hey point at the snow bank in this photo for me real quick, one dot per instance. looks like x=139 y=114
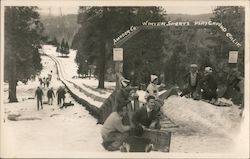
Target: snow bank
x=201 y=117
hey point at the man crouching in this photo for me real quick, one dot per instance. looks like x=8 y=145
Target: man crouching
x=113 y=132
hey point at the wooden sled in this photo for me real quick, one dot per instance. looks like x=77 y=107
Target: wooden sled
x=172 y=91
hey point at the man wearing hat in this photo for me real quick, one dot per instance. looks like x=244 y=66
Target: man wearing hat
x=193 y=80
x=122 y=95
x=209 y=86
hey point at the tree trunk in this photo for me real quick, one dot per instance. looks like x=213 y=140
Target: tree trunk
x=103 y=49
x=12 y=80
x=102 y=64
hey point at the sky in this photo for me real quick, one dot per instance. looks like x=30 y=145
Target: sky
x=193 y=10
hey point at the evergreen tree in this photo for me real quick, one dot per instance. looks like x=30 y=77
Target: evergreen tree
x=23 y=36
x=66 y=52
x=99 y=25
x=62 y=47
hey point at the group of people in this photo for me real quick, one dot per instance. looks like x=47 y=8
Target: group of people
x=45 y=82
x=50 y=96
x=205 y=86
x=123 y=129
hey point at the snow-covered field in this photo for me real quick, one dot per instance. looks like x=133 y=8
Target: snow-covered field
x=204 y=128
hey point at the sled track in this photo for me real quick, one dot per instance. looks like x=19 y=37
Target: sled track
x=93 y=110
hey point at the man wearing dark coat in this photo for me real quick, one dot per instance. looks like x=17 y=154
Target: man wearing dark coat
x=193 y=82
x=122 y=96
x=209 y=85
x=147 y=116
x=50 y=95
x=39 y=95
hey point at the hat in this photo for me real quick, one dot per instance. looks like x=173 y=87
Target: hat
x=193 y=66
x=208 y=69
x=124 y=82
x=153 y=77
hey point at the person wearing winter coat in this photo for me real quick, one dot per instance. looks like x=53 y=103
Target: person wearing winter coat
x=193 y=82
x=61 y=95
x=209 y=85
x=153 y=88
x=132 y=106
x=50 y=95
x=39 y=96
x=122 y=95
x=147 y=116
x=113 y=132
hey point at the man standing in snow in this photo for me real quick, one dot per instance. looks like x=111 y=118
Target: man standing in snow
x=193 y=79
x=50 y=95
x=113 y=132
x=39 y=95
x=61 y=95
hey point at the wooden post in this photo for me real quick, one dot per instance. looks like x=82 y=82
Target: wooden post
x=118 y=58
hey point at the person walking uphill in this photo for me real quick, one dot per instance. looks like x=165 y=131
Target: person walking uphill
x=193 y=82
x=113 y=132
x=61 y=95
x=39 y=96
x=50 y=95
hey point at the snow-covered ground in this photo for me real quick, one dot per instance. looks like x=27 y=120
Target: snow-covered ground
x=59 y=130
x=204 y=128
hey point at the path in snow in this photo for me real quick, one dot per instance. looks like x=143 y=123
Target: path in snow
x=67 y=130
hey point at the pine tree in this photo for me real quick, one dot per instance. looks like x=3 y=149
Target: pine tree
x=23 y=36
x=66 y=49
x=99 y=25
x=62 y=47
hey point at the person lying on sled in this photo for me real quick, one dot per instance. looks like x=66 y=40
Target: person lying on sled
x=147 y=116
x=113 y=132
x=136 y=142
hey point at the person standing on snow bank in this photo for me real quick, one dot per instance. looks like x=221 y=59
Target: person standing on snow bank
x=50 y=95
x=122 y=95
x=193 y=82
x=113 y=132
x=209 y=86
x=153 y=88
x=39 y=95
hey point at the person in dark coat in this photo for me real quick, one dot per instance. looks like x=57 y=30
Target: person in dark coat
x=137 y=143
x=147 y=116
x=193 y=83
x=47 y=82
x=132 y=106
x=39 y=96
x=122 y=95
x=61 y=95
x=209 y=86
x=44 y=81
x=50 y=95
x=40 y=81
